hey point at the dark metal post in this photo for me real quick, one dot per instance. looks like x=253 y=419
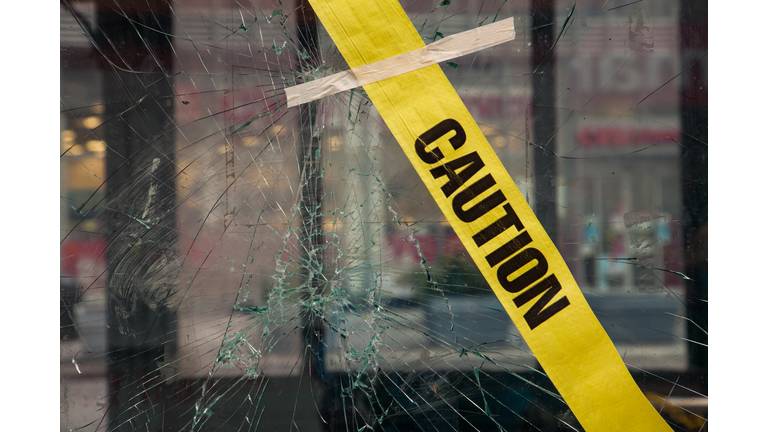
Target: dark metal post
x=141 y=195
x=544 y=146
x=693 y=173
x=543 y=101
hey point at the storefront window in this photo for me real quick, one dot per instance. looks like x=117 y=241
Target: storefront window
x=232 y=263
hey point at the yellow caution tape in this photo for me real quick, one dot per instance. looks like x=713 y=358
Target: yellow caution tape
x=492 y=219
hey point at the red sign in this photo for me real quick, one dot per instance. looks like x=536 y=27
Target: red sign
x=595 y=137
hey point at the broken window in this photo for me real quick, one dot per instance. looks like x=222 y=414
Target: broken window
x=230 y=263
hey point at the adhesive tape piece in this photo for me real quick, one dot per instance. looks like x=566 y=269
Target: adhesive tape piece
x=445 y=49
x=490 y=216
x=320 y=88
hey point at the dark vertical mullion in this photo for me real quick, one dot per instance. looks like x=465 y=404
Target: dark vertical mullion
x=544 y=161
x=140 y=163
x=693 y=172
x=544 y=120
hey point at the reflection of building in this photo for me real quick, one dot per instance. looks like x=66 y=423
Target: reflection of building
x=620 y=191
x=83 y=172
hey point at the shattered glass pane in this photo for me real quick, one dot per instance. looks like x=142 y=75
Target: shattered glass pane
x=229 y=263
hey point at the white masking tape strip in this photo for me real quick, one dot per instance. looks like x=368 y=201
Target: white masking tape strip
x=445 y=49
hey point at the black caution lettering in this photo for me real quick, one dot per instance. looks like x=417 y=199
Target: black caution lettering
x=538 y=314
x=516 y=263
x=481 y=208
x=508 y=249
x=469 y=164
x=510 y=219
x=432 y=135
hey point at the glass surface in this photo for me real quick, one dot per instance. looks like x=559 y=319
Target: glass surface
x=229 y=263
